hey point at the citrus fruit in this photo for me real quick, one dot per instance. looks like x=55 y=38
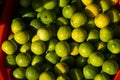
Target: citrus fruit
x=64 y=33
x=61 y=68
x=22 y=37
x=92 y=10
x=61 y=21
x=114 y=15
x=110 y=67
x=96 y=59
x=32 y=73
x=79 y=35
x=51 y=44
x=102 y=76
x=104 y=5
x=106 y=34
x=74 y=48
x=9 y=47
x=25 y=47
x=86 y=49
x=111 y=56
x=11 y=37
x=114 y=46
x=86 y=2
x=76 y=74
x=101 y=46
x=63 y=77
x=62 y=49
x=52 y=57
x=47 y=67
x=44 y=34
x=102 y=20
x=17 y=25
x=90 y=71
x=47 y=16
x=35 y=38
x=63 y=3
x=23 y=59
x=68 y=11
x=49 y=4
x=38 y=47
x=46 y=75
x=78 y=19
x=19 y=73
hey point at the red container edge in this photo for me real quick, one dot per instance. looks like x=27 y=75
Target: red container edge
x=7 y=15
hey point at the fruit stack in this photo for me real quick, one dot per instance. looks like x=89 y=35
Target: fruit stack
x=60 y=40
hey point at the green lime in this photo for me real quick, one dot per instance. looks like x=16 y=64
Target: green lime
x=22 y=37
x=114 y=46
x=63 y=77
x=69 y=60
x=104 y=5
x=80 y=61
x=74 y=48
x=93 y=35
x=25 y=47
x=46 y=75
x=61 y=21
x=9 y=47
x=63 y=3
x=25 y=3
x=10 y=61
x=76 y=74
x=51 y=44
x=62 y=49
x=79 y=35
x=17 y=25
x=38 y=47
x=106 y=34
x=102 y=76
x=37 y=60
x=32 y=73
x=61 y=68
x=37 y=5
x=52 y=57
x=19 y=73
x=23 y=59
x=68 y=11
x=49 y=4
x=86 y=49
x=110 y=67
x=96 y=59
x=78 y=19
x=90 y=71
x=44 y=34
x=64 y=33
x=47 y=16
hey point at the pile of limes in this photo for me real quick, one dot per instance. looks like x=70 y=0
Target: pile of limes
x=64 y=40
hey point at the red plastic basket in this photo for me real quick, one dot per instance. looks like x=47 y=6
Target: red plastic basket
x=7 y=15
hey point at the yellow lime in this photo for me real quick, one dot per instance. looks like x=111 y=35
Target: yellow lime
x=78 y=19
x=102 y=20
x=79 y=35
x=92 y=10
x=106 y=34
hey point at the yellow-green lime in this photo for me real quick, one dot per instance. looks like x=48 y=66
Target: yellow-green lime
x=47 y=75
x=63 y=77
x=110 y=67
x=101 y=46
x=87 y=2
x=79 y=35
x=38 y=47
x=64 y=33
x=11 y=37
x=51 y=44
x=19 y=73
x=106 y=34
x=35 y=38
x=61 y=21
x=104 y=5
x=78 y=19
x=114 y=46
x=62 y=49
x=22 y=37
x=92 y=10
x=102 y=20
x=63 y=3
x=96 y=59
x=9 y=47
x=86 y=49
x=25 y=47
